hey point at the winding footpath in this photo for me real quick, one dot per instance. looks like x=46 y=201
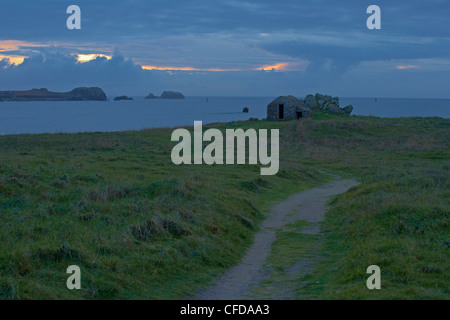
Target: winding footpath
x=240 y=281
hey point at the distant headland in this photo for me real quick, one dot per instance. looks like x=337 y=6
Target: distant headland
x=77 y=94
x=167 y=95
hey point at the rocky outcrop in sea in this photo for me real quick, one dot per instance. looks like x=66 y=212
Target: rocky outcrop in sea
x=122 y=98
x=167 y=95
x=326 y=103
x=77 y=94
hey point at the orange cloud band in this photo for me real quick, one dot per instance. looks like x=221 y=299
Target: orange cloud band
x=402 y=67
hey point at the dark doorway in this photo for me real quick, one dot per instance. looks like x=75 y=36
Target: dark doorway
x=281 y=111
x=299 y=115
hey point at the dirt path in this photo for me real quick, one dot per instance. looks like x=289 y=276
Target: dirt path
x=310 y=205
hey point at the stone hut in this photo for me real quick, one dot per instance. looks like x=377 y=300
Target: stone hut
x=287 y=108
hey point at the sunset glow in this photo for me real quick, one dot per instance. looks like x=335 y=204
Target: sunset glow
x=14 y=45
x=184 y=69
x=82 y=58
x=13 y=59
x=402 y=67
x=169 y=68
x=7 y=45
x=277 y=67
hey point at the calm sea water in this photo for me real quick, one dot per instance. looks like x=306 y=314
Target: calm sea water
x=55 y=117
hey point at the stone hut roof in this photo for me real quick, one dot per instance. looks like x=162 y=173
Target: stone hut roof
x=287 y=108
x=290 y=101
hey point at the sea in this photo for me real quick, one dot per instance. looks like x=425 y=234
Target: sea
x=34 y=117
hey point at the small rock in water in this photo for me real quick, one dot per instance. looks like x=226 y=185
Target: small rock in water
x=122 y=98
x=151 y=96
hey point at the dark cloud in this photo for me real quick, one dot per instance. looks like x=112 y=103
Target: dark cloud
x=329 y=36
x=343 y=53
x=45 y=19
x=62 y=71
x=119 y=76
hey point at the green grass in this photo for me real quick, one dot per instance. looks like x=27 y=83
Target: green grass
x=142 y=228
x=398 y=218
x=114 y=204
x=293 y=254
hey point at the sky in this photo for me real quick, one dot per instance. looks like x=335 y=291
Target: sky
x=228 y=48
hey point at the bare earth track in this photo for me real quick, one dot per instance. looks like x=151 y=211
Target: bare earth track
x=239 y=281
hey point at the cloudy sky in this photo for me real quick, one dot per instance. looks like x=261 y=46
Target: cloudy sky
x=228 y=47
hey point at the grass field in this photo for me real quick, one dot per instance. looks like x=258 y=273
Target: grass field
x=398 y=218
x=142 y=228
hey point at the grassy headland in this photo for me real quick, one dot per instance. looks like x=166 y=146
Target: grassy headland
x=398 y=218
x=141 y=227
x=115 y=205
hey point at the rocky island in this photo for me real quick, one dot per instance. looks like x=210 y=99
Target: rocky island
x=172 y=95
x=167 y=95
x=122 y=98
x=77 y=94
x=151 y=96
